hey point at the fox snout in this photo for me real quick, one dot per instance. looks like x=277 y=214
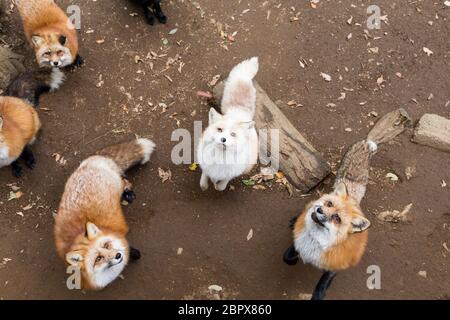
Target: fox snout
x=318 y=216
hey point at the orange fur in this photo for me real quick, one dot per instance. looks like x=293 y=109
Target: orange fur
x=44 y=18
x=349 y=249
x=20 y=124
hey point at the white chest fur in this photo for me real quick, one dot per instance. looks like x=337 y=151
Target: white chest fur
x=5 y=159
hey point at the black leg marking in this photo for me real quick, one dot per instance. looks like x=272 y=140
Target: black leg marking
x=149 y=16
x=324 y=283
x=292 y=222
x=16 y=169
x=162 y=18
x=290 y=256
x=129 y=196
x=28 y=156
x=78 y=62
x=135 y=254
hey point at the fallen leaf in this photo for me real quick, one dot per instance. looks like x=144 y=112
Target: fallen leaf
x=164 y=175
x=395 y=215
x=180 y=251
x=193 y=167
x=427 y=51
x=325 y=76
x=214 y=80
x=392 y=176
x=249 y=182
x=250 y=235
x=215 y=288
x=173 y=31
x=422 y=273
x=205 y=94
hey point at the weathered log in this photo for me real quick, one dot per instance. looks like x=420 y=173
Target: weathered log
x=302 y=164
x=433 y=131
x=10 y=66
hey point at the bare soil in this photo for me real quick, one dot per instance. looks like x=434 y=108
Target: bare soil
x=212 y=227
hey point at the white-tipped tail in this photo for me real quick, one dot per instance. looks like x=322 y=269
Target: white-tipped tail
x=372 y=146
x=148 y=146
x=246 y=70
x=56 y=79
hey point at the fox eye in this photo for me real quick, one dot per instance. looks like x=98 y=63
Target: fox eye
x=98 y=259
x=329 y=204
x=220 y=129
x=48 y=53
x=233 y=134
x=60 y=53
x=336 y=218
x=107 y=246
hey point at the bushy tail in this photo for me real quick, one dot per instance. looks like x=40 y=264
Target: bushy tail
x=30 y=85
x=129 y=154
x=246 y=70
x=239 y=89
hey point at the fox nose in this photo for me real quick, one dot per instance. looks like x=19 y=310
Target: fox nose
x=223 y=140
x=118 y=256
x=55 y=63
x=319 y=210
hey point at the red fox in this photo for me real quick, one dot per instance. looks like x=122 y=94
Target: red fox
x=19 y=125
x=90 y=227
x=331 y=232
x=50 y=33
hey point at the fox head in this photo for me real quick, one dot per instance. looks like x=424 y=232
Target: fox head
x=51 y=50
x=101 y=257
x=335 y=216
x=226 y=131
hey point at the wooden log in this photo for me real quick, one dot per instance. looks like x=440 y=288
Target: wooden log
x=433 y=131
x=10 y=66
x=302 y=164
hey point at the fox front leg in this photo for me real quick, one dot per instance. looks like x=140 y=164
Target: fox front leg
x=290 y=257
x=135 y=254
x=128 y=194
x=204 y=182
x=324 y=283
x=221 y=185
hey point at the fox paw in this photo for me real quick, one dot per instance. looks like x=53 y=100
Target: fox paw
x=129 y=196
x=135 y=254
x=162 y=18
x=31 y=163
x=17 y=170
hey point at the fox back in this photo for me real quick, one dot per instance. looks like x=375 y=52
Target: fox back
x=331 y=233
x=19 y=125
x=90 y=227
x=50 y=32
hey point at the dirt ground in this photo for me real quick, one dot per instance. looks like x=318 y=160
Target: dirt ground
x=112 y=98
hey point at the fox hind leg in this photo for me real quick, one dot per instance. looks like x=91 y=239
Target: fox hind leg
x=128 y=194
x=149 y=17
x=323 y=285
x=162 y=18
x=28 y=157
x=17 y=170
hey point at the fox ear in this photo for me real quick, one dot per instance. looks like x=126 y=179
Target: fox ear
x=341 y=190
x=91 y=230
x=359 y=224
x=37 y=41
x=74 y=258
x=214 y=116
x=248 y=125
